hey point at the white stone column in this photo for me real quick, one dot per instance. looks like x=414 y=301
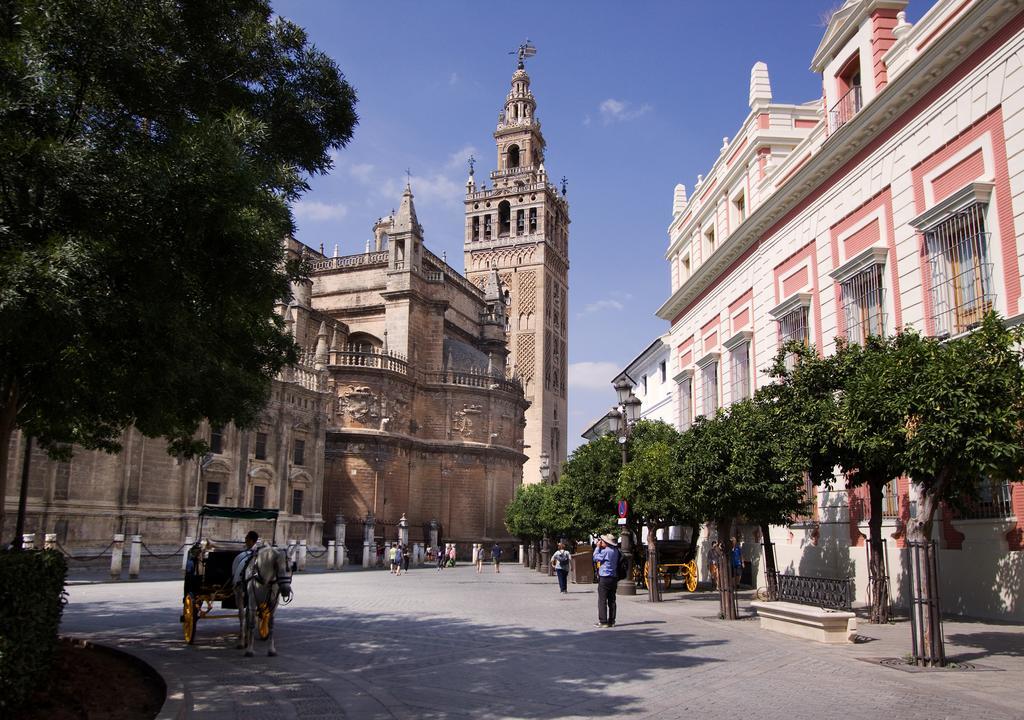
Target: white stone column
x=330 y=554
x=184 y=553
x=302 y=555
x=136 y=557
x=117 y=557
x=28 y=541
x=50 y=541
x=340 y=556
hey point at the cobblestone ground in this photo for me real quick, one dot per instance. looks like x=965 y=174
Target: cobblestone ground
x=455 y=644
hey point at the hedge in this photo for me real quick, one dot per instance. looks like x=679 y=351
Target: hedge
x=32 y=599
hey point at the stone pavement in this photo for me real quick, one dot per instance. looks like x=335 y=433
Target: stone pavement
x=454 y=644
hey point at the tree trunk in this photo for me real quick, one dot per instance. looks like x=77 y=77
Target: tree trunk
x=8 y=416
x=726 y=591
x=653 y=591
x=694 y=538
x=770 y=571
x=877 y=580
x=925 y=613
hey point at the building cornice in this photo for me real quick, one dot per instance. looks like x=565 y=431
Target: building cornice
x=935 y=63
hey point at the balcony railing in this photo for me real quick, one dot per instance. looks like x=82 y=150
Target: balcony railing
x=469 y=379
x=844 y=110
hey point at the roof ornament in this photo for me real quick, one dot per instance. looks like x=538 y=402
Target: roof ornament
x=565 y=185
x=526 y=50
x=472 y=162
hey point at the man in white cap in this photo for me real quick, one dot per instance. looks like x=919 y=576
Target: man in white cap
x=607 y=555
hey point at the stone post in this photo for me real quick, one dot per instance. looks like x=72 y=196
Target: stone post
x=117 y=557
x=50 y=541
x=545 y=557
x=369 y=551
x=403 y=531
x=184 y=553
x=135 y=560
x=433 y=534
x=302 y=555
x=28 y=541
x=341 y=557
x=330 y=554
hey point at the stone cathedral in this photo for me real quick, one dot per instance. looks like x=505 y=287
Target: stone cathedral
x=422 y=399
x=520 y=227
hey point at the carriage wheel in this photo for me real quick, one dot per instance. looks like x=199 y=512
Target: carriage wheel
x=263 y=621
x=691 y=576
x=647 y=572
x=189 y=617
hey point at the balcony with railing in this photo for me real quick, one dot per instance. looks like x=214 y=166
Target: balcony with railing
x=844 y=110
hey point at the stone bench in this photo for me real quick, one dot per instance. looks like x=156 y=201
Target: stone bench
x=805 y=621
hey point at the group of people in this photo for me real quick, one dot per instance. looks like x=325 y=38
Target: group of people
x=480 y=557
x=717 y=564
x=398 y=556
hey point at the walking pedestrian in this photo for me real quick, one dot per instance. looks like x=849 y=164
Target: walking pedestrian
x=714 y=563
x=406 y=556
x=451 y=555
x=478 y=558
x=440 y=558
x=607 y=556
x=396 y=559
x=496 y=557
x=737 y=563
x=560 y=562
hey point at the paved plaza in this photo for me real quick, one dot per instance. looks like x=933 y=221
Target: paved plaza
x=455 y=644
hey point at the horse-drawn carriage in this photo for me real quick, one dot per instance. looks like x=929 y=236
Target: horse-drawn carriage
x=676 y=559
x=215 y=567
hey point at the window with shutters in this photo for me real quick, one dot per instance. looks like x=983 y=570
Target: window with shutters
x=960 y=266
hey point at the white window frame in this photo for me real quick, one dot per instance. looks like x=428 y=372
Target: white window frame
x=795 y=306
x=684 y=384
x=861 y=282
x=740 y=381
x=709 y=369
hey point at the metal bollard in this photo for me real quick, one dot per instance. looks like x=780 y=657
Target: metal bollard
x=302 y=555
x=330 y=554
x=28 y=541
x=117 y=557
x=136 y=557
x=50 y=541
x=184 y=553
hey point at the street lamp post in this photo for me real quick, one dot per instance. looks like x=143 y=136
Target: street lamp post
x=621 y=420
x=545 y=547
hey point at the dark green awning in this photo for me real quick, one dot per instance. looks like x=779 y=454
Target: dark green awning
x=238 y=513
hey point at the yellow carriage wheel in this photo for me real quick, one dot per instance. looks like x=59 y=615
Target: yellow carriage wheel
x=691 y=575
x=188 y=618
x=263 y=621
x=647 y=572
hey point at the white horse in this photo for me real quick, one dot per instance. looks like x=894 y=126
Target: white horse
x=261 y=576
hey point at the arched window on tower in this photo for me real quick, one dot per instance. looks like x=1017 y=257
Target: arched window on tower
x=513 y=156
x=504 y=218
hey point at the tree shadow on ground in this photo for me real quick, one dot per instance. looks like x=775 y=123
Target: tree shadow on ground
x=990 y=643
x=403 y=664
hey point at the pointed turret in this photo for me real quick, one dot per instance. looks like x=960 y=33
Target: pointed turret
x=405 y=220
x=760 y=85
x=679 y=200
x=320 y=358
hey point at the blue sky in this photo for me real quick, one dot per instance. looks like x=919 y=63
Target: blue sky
x=633 y=97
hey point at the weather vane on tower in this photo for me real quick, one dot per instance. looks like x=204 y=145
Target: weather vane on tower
x=526 y=50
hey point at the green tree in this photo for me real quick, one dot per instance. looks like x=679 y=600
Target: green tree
x=965 y=427
x=149 y=153
x=650 y=482
x=773 y=489
x=587 y=487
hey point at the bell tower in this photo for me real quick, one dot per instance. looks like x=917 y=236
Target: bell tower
x=519 y=226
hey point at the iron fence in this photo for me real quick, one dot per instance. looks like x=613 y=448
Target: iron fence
x=829 y=593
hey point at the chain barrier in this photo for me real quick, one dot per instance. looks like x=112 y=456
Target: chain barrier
x=158 y=556
x=316 y=555
x=69 y=556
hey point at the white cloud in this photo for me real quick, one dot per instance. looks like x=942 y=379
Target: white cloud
x=458 y=159
x=319 y=211
x=426 y=190
x=600 y=305
x=592 y=375
x=361 y=172
x=613 y=110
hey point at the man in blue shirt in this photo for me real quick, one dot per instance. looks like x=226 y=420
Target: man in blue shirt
x=607 y=554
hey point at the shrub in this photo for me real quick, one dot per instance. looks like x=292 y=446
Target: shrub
x=32 y=599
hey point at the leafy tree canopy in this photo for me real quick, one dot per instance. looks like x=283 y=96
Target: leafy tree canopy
x=650 y=478
x=149 y=151
x=587 y=487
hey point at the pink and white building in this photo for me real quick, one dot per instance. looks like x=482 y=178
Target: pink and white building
x=895 y=199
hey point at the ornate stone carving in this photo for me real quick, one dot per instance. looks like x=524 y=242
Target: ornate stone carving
x=525 y=347
x=527 y=294
x=467 y=420
x=359 y=403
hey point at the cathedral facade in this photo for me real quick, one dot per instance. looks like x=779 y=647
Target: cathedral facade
x=419 y=395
